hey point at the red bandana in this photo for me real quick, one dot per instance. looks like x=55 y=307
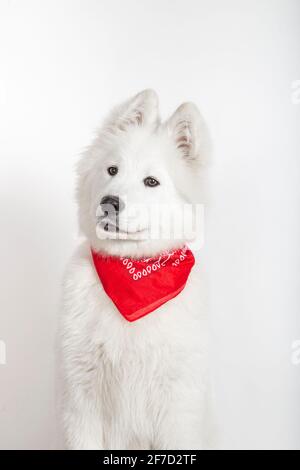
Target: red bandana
x=137 y=287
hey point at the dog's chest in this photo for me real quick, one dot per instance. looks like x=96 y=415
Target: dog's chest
x=160 y=343
x=163 y=339
x=132 y=370
x=140 y=362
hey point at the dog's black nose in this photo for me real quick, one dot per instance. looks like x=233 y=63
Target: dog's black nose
x=112 y=204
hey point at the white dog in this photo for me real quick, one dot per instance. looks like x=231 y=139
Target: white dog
x=135 y=348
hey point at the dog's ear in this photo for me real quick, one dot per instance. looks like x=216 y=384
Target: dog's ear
x=140 y=110
x=189 y=132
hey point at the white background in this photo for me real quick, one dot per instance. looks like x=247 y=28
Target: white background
x=64 y=63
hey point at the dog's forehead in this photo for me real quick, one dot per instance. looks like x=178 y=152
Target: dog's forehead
x=142 y=144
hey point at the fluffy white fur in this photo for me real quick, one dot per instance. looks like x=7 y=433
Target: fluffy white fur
x=140 y=385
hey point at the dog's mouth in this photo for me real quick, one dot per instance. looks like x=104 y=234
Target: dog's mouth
x=115 y=231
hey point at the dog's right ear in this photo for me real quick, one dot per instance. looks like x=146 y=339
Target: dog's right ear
x=140 y=110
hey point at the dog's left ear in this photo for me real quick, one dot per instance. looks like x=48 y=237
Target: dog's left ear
x=141 y=109
x=189 y=132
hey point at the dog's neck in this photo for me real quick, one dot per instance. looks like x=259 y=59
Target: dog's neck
x=135 y=249
x=138 y=287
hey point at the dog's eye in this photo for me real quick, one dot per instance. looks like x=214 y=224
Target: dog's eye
x=151 y=182
x=112 y=170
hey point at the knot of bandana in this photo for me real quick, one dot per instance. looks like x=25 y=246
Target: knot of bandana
x=140 y=286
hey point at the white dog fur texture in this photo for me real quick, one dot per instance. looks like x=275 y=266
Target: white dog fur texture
x=146 y=384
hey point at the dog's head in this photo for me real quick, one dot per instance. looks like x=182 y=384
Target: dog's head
x=138 y=176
